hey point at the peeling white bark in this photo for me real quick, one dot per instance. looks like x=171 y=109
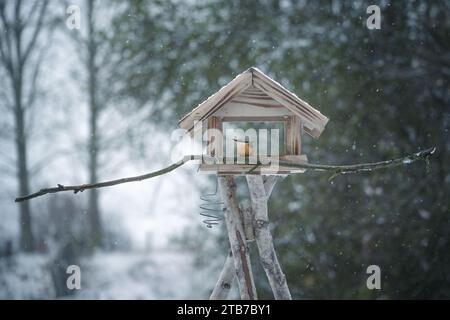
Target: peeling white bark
x=264 y=239
x=247 y=219
x=226 y=278
x=227 y=275
x=236 y=236
x=270 y=182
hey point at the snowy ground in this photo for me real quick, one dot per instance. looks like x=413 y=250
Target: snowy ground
x=147 y=214
x=158 y=275
x=25 y=276
x=107 y=275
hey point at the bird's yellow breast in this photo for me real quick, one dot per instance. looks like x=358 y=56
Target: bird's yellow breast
x=243 y=149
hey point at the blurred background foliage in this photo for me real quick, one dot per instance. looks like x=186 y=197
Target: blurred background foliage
x=385 y=91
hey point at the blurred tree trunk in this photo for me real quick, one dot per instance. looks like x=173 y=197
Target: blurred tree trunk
x=93 y=145
x=26 y=233
x=14 y=57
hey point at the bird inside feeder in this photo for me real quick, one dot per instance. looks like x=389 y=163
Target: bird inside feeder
x=243 y=148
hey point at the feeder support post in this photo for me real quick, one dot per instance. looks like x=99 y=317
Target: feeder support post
x=236 y=236
x=225 y=281
x=264 y=240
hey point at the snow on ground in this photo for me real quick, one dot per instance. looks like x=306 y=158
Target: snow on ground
x=149 y=214
x=136 y=275
x=25 y=276
x=158 y=274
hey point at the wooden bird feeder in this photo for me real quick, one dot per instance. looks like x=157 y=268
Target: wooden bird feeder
x=255 y=104
x=253 y=100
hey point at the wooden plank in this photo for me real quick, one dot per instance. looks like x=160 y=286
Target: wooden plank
x=307 y=110
x=254 y=119
x=215 y=138
x=210 y=105
x=313 y=123
x=243 y=169
x=245 y=109
x=244 y=174
x=256 y=97
x=295 y=158
x=292 y=138
x=274 y=85
x=307 y=119
x=225 y=99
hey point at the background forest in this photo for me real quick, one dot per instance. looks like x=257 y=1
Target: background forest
x=101 y=101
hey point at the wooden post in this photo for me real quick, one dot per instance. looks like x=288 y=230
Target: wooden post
x=270 y=182
x=215 y=141
x=292 y=138
x=264 y=239
x=236 y=236
x=228 y=273
x=226 y=278
x=245 y=210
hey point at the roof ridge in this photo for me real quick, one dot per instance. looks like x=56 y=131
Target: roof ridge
x=253 y=77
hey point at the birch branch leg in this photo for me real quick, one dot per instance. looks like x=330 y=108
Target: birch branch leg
x=225 y=281
x=245 y=210
x=228 y=273
x=236 y=236
x=270 y=182
x=264 y=239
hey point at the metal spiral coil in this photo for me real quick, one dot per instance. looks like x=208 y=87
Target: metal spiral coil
x=211 y=208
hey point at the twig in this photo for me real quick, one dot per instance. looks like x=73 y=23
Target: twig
x=363 y=167
x=82 y=187
x=336 y=169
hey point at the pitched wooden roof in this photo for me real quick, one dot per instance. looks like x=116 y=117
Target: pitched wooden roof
x=253 y=79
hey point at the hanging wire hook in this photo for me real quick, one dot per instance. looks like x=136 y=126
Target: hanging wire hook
x=211 y=208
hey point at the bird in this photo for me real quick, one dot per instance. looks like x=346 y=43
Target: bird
x=243 y=148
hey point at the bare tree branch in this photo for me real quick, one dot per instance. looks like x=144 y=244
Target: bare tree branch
x=336 y=169
x=81 y=188
x=36 y=32
x=6 y=103
x=18 y=29
x=4 y=58
x=6 y=48
x=34 y=76
x=363 y=167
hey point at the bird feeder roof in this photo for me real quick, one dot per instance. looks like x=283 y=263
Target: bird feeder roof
x=313 y=121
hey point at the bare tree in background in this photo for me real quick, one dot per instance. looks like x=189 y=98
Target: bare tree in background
x=21 y=26
x=98 y=61
x=89 y=45
x=94 y=108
